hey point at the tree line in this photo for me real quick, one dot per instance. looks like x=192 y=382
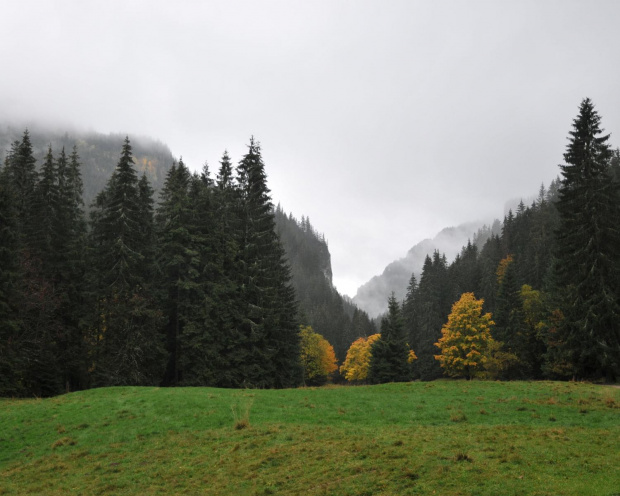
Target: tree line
x=547 y=287
x=197 y=289
x=192 y=291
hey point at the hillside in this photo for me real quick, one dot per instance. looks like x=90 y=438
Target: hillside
x=322 y=307
x=446 y=437
x=373 y=295
x=98 y=153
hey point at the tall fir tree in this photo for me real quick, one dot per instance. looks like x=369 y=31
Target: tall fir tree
x=46 y=207
x=126 y=344
x=434 y=300
x=389 y=354
x=588 y=251
x=23 y=178
x=11 y=364
x=70 y=269
x=269 y=326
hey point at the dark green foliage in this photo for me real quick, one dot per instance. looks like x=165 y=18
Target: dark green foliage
x=125 y=343
x=410 y=315
x=465 y=271
x=22 y=178
x=10 y=384
x=269 y=351
x=510 y=328
x=201 y=295
x=389 y=354
x=490 y=257
x=46 y=208
x=588 y=251
x=432 y=302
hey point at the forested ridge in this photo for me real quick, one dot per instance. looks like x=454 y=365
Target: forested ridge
x=98 y=153
x=550 y=280
x=211 y=285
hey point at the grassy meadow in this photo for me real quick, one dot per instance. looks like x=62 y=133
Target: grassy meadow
x=443 y=437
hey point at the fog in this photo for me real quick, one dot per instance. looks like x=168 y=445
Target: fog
x=383 y=122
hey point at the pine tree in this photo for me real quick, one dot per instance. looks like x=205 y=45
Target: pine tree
x=23 y=177
x=389 y=354
x=410 y=315
x=588 y=251
x=180 y=262
x=126 y=343
x=70 y=269
x=510 y=329
x=433 y=305
x=270 y=352
x=46 y=207
x=10 y=364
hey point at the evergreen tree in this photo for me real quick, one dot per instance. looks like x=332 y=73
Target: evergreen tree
x=588 y=251
x=70 y=269
x=510 y=329
x=46 y=207
x=270 y=352
x=390 y=353
x=23 y=178
x=127 y=348
x=10 y=364
x=433 y=306
x=180 y=243
x=410 y=316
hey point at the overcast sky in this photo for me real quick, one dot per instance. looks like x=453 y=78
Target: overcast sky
x=383 y=121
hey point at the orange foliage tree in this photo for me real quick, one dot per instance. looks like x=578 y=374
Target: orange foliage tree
x=502 y=268
x=466 y=341
x=317 y=357
x=357 y=362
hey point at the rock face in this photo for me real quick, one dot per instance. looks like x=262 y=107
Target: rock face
x=372 y=296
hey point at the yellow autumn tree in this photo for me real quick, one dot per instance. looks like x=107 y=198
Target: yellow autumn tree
x=466 y=339
x=357 y=362
x=317 y=357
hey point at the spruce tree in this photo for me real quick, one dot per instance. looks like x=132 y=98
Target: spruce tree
x=389 y=354
x=588 y=251
x=180 y=262
x=126 y=342
x=410 y=315
x=433 y=306
x=270 y=350
x=46 y=207
x=70 y=269
x=10 y=356
x=23 y=177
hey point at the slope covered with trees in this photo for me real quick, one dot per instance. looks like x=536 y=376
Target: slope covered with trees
x=98 y=153
x=322 y=307
x=550 y=278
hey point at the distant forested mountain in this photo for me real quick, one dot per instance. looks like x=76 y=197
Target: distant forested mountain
x=373 y=295
x=98 y=154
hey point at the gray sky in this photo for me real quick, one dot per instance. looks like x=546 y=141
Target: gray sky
x=383 y=121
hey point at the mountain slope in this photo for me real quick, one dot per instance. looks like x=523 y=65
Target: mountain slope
x=334 y=317
x=373 y=295
x=99 y=153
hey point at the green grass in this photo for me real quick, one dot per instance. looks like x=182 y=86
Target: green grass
x=444 y=437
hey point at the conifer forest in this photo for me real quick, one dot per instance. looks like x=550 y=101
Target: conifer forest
x=205 y=282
